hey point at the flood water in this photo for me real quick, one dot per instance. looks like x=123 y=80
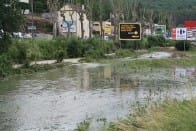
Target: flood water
x=61 y=98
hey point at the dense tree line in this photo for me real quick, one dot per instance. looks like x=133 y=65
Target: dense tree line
x=158 y=11
x=169 y=12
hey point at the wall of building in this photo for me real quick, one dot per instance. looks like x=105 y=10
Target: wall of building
x=76 y=24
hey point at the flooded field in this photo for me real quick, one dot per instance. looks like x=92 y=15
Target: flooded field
x=59 y=99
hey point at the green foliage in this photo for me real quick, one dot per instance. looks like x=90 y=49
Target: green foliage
x=5 y=42
x=74 y=48
x=40 y=6
x=156 y=41
x=18 y=51
x=144 y=43
x=10 y=16
x=5 y=65
x=94 y=48
x=183 y=45
x=170 y=43
x=60 y=55
x=83 y=126
x=170 y=116
x=125 y=53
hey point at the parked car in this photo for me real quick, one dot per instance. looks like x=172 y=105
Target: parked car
x=27 y=36
x=18 y=34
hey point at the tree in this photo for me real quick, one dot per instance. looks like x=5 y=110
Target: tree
x=53 y=6
x=10 y=21
x=10 y=16
x=89 y=13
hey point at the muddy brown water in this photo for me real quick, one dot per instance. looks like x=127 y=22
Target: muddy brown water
x=59 y=99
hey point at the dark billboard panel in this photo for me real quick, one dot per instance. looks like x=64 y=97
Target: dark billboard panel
x=129 y=31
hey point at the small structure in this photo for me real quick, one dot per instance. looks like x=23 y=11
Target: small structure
x=107 y=28
x=70 y=22
x=159 y=29
x=191 y=29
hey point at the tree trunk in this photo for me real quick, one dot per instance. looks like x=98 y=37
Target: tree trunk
x=81 y=23
x=54 y=29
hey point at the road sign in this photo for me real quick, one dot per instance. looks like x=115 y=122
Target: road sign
x=129 y=31
x=31 y=27
x=181 y=33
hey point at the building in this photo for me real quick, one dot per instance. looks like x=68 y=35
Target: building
x=69 y=22
x=191 y=29
x=190 y=25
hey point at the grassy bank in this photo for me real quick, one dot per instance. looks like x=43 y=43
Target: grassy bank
x=157 y=63
x=171 y=116
x=23 y=51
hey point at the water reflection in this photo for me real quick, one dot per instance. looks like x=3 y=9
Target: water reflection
x=189 y=73
x=59 y=99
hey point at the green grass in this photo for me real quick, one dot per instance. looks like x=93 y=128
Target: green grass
x=156 y=63
x=83 y=126
x=191 y=52
x=171 y=116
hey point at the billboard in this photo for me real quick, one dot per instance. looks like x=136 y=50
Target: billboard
x=72 y=26
x=159 y=29
x=129 y=31
x=181 y=33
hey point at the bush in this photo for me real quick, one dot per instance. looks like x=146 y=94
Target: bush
x=135 y=45
x=5 y=42
x=60 y=55
x=74 y=48
x=109 y=47
x=18 y=51
x=156 y=41
x=170 y=43
x=5 y=65
x=125 y=53
x=182 y=45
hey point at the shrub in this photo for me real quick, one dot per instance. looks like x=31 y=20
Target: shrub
x=125 y=53
x=5 y=42
x=74 y=48
x=83 y=126
x=156 y=41
x=109 y=47
x=97 y=48
x=182 y=45
x=5 y=65
x=18 y=51
x=170 y=43
x=135 y=45
x=60 y=55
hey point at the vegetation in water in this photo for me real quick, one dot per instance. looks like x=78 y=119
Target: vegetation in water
x=22 y=51
x=173 y=115
x=83 y=126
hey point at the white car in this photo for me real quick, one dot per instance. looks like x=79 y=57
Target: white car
x=27 y=36
x=18 y=34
